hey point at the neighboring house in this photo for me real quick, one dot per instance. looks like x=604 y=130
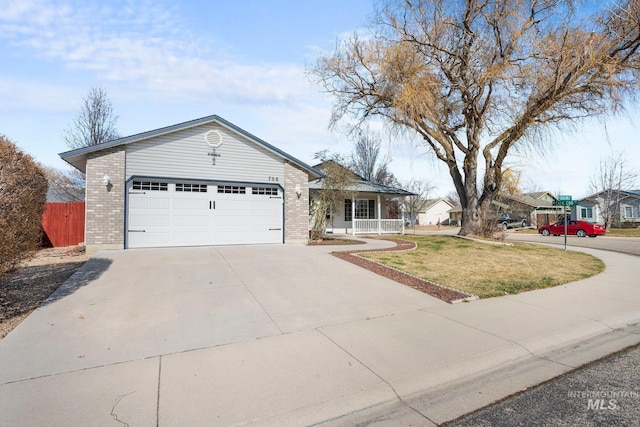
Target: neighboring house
x=372 y=209
x=624 y=207
x=201 y=182
x=455 y=215
x=434 y=211
x=537 y=207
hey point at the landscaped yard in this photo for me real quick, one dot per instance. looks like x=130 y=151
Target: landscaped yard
x=489 y=270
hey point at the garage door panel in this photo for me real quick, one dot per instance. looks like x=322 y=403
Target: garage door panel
x=191 y=204
x=141 y=220
x=190 y=237
x=141 y=202
x=148 y=239
x=191 y=220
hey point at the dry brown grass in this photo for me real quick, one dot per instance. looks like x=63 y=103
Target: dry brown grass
x=490 y=270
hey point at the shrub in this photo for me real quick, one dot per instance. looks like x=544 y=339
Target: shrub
x=23 y=193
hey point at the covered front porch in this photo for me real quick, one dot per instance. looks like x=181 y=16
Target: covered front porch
x=362 y=207
x=367 y=214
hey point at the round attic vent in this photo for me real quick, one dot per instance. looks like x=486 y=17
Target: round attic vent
x=213 y=138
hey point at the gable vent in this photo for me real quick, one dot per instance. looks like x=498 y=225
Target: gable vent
x=213 y=138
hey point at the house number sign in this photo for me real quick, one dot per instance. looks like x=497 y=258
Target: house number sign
x=213 y=138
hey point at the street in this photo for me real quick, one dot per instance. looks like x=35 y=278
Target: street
x=606 y=392
x=628 y=245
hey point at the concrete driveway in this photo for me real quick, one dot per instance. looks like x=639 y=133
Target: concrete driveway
x=95 y=349
x=290 y=335
x=148 y=302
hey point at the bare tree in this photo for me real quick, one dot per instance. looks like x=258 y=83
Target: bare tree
x=337 y=185
x=96 y=122
x=65 y=186
x=366 y=159
x=612 y=177
x=477 y=79
x=413 y=204
x=453 y=198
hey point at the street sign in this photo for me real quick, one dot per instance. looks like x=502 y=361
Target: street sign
x=565 y=203
x=563 y=197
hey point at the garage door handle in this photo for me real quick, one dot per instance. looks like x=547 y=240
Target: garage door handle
x=275 y=197
x=212 y=204
x=137 y=192
x=137 y=231
x=274 y=229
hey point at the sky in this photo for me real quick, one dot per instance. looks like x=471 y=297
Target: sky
x=163 y=63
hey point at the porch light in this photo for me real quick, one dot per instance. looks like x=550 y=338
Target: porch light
x=105 y=180
x=298 y=191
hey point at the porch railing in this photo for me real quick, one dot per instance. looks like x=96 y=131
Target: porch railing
x=378 y=226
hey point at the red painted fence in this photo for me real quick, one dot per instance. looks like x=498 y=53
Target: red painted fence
x=63 y=224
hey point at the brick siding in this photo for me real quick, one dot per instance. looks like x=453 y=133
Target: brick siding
x=296 y=209
x=105 y=205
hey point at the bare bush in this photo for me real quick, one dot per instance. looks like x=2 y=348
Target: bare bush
x=23 y=192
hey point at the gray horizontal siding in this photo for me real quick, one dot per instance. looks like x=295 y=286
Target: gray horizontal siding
x=184 y=154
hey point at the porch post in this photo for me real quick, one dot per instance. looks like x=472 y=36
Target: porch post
x=353 y=215
x=402 y=216
x=379 y=217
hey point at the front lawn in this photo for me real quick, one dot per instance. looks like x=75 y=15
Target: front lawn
x=489 y=270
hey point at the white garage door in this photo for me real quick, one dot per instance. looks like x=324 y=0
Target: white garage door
x=189 y=214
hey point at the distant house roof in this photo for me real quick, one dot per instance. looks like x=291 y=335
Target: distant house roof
x=78 y=157
x=623 y=193
x=360 y=185
x=429 y=203
x=540 y=194
x=530 y=199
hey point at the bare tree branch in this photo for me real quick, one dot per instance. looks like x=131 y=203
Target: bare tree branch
x=95 y=123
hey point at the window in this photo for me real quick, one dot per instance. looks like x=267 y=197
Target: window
x=587 y=213
x=150 y=185
x=348 y=215
x=267 y=191
x=192 y=188
x=628 y=211
x=362 y=209
x=231 y=189
x=365 y=209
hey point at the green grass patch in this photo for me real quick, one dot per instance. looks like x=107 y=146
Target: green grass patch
x=489 y=270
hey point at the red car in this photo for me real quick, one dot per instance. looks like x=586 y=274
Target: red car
x=579 y=228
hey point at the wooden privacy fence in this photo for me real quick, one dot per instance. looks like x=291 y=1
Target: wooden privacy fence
x=63 y=224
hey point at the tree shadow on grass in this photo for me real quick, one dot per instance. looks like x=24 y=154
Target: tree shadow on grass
x=34 y=286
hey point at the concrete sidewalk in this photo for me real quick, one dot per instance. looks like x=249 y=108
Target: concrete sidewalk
x=290 y=335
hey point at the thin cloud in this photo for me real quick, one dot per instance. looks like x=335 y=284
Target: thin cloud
x=146 y=45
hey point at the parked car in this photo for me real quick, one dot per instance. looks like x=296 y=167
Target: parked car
x=579 y=228
x=511 y=220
